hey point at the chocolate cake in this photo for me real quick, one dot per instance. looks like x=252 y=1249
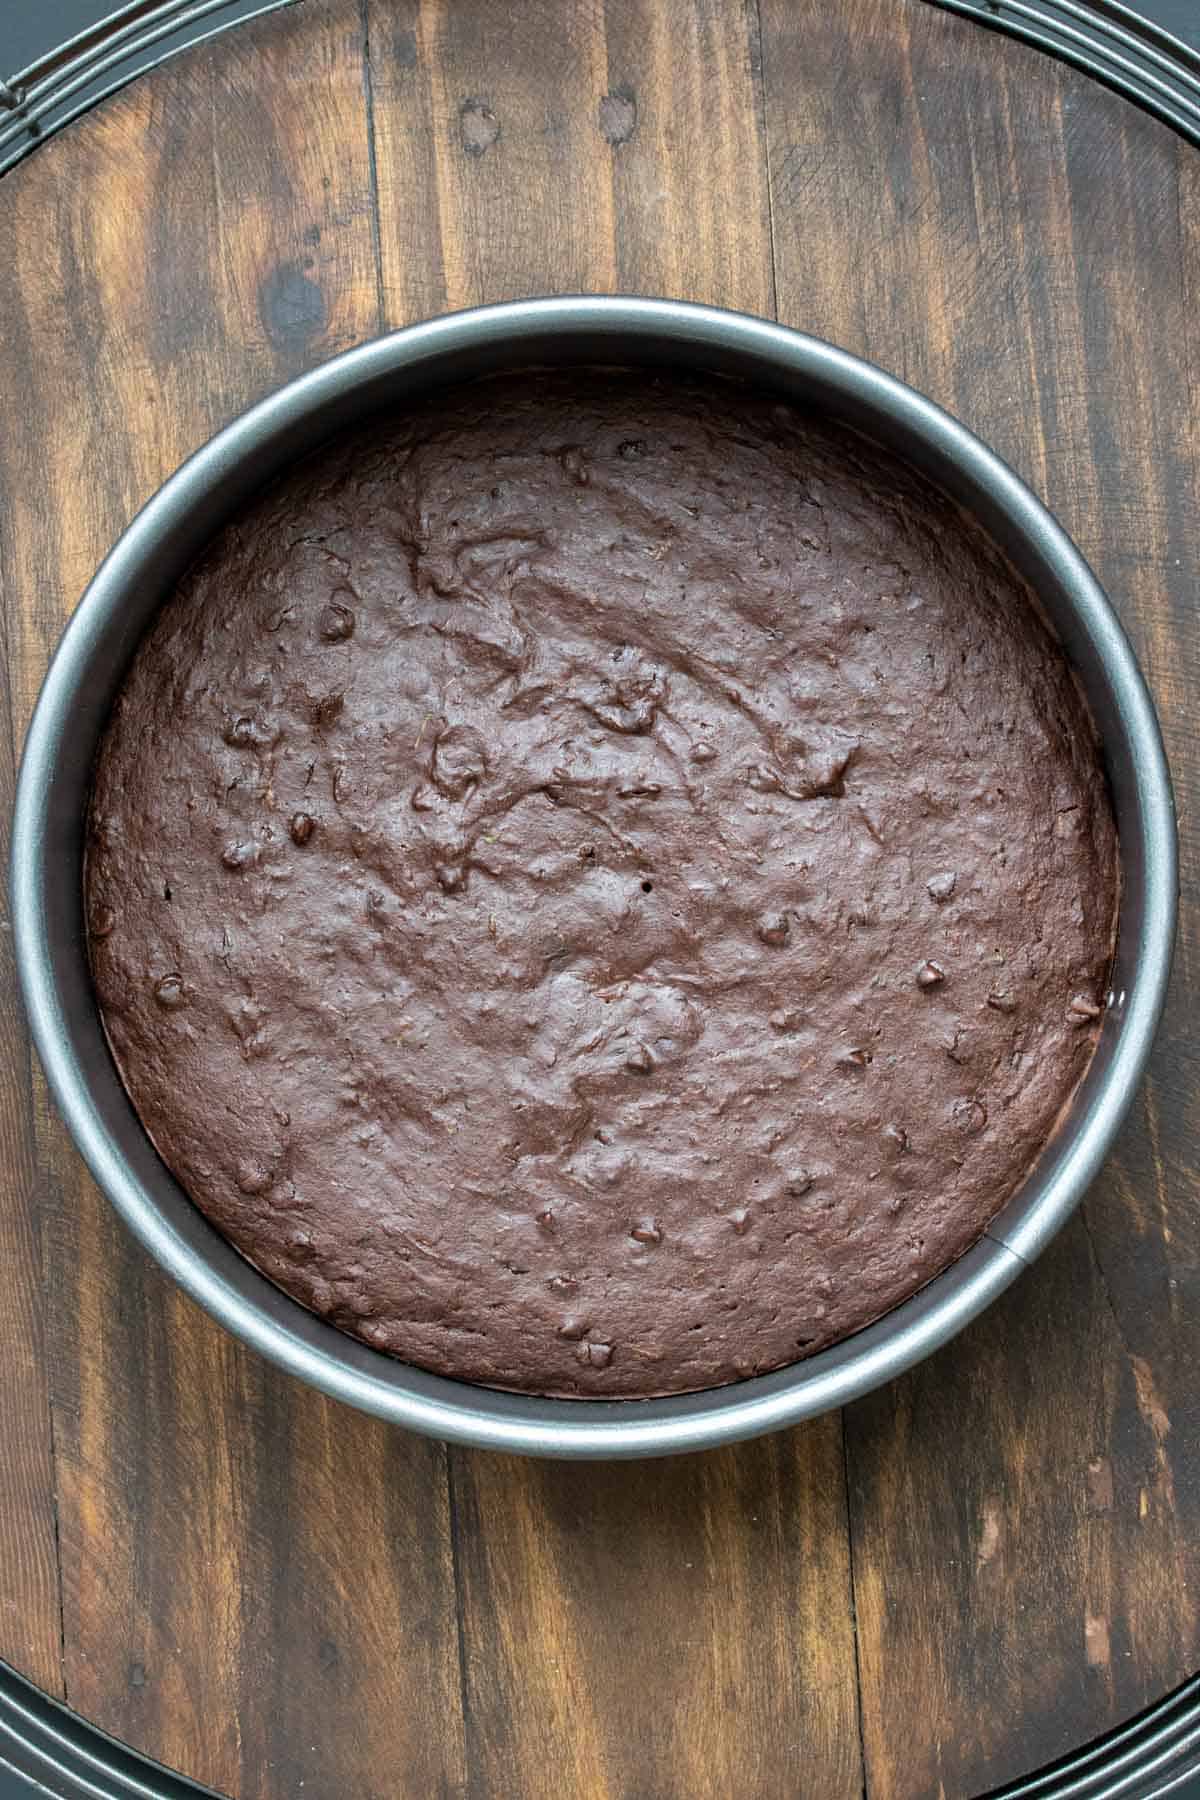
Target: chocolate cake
x=600 y=885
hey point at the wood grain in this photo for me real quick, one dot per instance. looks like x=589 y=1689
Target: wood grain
x=682 y=118
x=509 y=184
x=1023 y=205
x=30 y=1603
x=211 y=1510
x=996 y=1557
x=674 y=1628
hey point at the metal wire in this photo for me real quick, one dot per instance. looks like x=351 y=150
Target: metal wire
x=59 y=87
x=1110 y=43
x=1154 y=1755
x=1104 y=37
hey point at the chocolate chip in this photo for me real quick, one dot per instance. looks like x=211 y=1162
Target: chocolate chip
x=244 y=733
x=169 y=992
x=547 y=1220
x=773 y=928
x=703 y=753
x=574 y=462
x=336 y=623
x=856 y=1058
x=970 y=1116
x=631 y=449
x=764 y=779
x=646 y=1231
x=639 y=1061
x=328 y=710
x=627 y=695
x=739 y=1218
x=1002 y=1001
x=238 y=856
x=572 y=1329
x=563 y=1284
x=301 y=827
x=897 y=1137
x=460 y=760
x=930 y=974
x=940 y=887
x=102 y=921
x=1082 y=1010
x=798 y=1183
x=450 y=877
x=825 y=767
x=252 y=1176
x=595 y=1356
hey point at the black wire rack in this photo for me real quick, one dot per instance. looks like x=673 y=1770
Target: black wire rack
x=45 y=1749
x=69 y=79
x=1110 y=41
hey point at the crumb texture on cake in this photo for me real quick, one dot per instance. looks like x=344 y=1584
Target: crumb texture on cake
x=600 y=885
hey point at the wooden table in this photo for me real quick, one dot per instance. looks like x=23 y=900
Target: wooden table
x=992 y=1560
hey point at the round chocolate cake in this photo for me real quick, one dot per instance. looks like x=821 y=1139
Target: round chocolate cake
x=600 y=885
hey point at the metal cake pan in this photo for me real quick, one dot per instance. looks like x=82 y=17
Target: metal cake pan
x=47 y=857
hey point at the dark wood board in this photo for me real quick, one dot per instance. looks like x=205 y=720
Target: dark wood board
x=963 y=1576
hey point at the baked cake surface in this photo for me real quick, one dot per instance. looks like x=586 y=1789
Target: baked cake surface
x=600 y=885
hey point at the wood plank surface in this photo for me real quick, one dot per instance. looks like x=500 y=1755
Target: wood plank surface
x=679 y=1627
x=1013 y=1558
x=986 y=1563
x=30 y=1599
x=210 y=1510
